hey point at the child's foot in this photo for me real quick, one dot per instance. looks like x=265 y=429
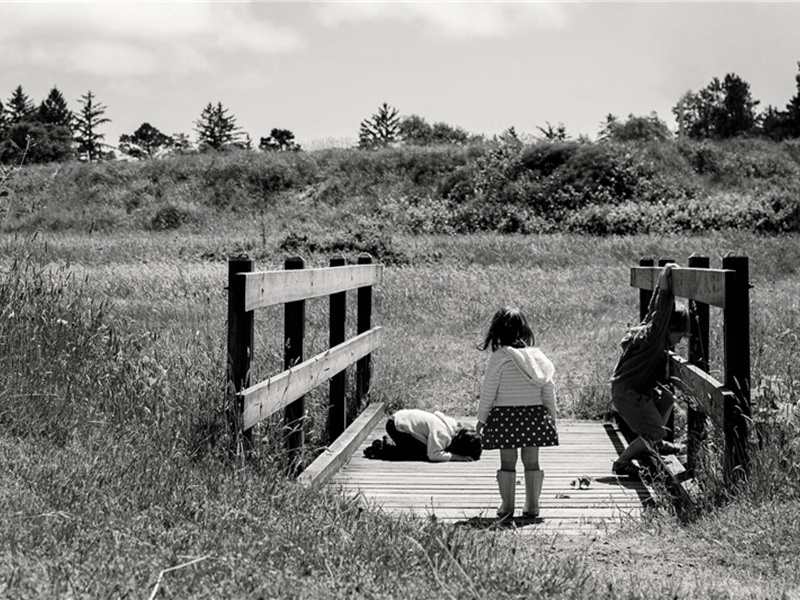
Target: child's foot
x=625 y=469
x=668 y=448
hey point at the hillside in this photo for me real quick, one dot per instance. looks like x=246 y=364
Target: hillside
x=502 y=186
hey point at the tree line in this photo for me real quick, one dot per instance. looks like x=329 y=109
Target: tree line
x=51 y=132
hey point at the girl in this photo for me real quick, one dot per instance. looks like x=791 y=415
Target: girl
x=415 y=434
x=517 y=407
x=641 y=365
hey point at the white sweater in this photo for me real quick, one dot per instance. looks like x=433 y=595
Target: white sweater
x=517 y=377
x=435 y=430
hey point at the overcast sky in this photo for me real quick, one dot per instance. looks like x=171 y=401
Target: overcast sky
x=319 y=68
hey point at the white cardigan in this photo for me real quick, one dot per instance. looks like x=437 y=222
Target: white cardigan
x=517 y=377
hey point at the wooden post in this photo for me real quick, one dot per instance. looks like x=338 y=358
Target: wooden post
x=363 y=323
x=645 y=295
x=337 y=413
x=698 y=356
x=240 y=344
x=737 y=362
x=294 y=326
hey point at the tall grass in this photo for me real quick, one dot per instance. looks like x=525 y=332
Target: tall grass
x=113 y=438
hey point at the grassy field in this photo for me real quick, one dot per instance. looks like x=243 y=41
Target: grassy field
x=113 y=463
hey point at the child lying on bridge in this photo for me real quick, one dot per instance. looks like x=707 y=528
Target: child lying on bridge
x=415 y=434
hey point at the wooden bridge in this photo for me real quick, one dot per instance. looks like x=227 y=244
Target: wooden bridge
x=466 y=493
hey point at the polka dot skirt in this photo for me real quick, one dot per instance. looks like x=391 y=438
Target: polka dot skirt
x=517 y=427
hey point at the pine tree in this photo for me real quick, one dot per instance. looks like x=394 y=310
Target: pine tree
x=216 y=129
x=87 y=123
x=54 y=111
x=793 y=111
x=19 y=107
x=381 y=129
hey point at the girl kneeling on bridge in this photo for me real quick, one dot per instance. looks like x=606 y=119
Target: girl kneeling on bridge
x=415 y=434
x=517 y=407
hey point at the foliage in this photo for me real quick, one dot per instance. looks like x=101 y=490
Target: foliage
x=216 y=129
x=280 y=140
x=146 y=142
x=380 y=130
x=721 y=110
x=87 y=124
x=553 y=134
x=19 y=107
x=36 y=135
x=642 y=129
x=414 y=130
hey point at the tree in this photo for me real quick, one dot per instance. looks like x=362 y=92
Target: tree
x=181 y=143
x=280 y=140
x=87 y=123
x=645 y=129
x=146 y=142
x=793 y=111
x=3 y=121
x=19 y=107
x=722 y=109
x=381 y=129
x=38 y=135
x=554 y=134
x=216 y=129
x=54 y=111
x=414 y=130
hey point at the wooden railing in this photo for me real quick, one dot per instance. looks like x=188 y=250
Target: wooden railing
x=726 y=404
x=250 y=290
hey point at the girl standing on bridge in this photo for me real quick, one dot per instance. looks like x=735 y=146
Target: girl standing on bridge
x=517 y=407
x=641 y=365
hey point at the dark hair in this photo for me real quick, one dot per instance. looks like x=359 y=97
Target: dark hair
x=509 y=327
x=466 y=442
x=679 y=319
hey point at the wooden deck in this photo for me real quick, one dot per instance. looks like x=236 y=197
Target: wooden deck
x=467 y=493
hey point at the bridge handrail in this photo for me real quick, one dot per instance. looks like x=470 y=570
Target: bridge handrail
x=249 y=290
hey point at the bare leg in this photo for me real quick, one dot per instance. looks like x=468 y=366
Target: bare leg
x=635 y=449
x=530 y=458
x=508 y=459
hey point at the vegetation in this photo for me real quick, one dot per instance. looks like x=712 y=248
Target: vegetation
x=113 y=440
x=381 y=129
x=503 y=185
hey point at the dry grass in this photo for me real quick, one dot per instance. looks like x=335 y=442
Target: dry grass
x=112 y=443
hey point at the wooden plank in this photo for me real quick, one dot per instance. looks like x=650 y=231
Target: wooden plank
x=267 y=288
x=263 y=399
x=710 y=394
x=703 y=285
x=466 y=492
x=327 y=464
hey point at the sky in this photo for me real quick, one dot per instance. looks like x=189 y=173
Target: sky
x=319 y=69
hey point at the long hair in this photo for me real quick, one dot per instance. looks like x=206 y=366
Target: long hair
x=509 y=327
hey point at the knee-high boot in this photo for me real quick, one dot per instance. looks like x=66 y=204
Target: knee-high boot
x=507 y=484
x=533 y=489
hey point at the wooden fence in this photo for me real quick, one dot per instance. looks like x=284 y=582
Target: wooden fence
x=726 y=404
x=250 y=290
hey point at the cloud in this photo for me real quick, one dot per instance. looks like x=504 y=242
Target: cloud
x=450 y=19
x=135 y=38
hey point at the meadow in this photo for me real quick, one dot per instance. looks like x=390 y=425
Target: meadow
x=114 y=463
